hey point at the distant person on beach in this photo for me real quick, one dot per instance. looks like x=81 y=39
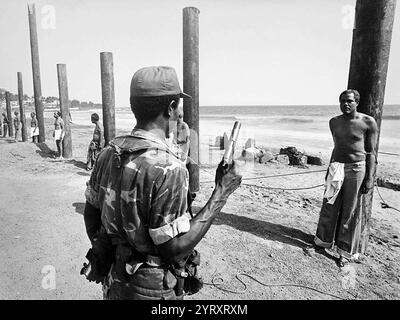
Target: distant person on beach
x=5 y=124
x=136 y=212
x=34 y=128
x=96 y=143
x=1 y=125
x=58 y=132
x=182 y=137
x=17 y=124
x=350 y=174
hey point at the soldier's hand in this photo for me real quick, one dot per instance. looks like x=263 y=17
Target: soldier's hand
x=367 y=185
x=227 y=178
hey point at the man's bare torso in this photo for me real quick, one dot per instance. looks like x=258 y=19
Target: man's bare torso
x=349 y=135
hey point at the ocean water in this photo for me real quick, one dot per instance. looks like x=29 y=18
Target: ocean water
x=305 y=127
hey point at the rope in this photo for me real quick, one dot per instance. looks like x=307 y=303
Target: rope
x=218 y=285
x=384 y=204
x=286 y=189
x=390 y=153
x=271 y=176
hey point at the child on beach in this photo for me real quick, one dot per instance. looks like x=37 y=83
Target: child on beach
x=95 y=144
x=58 y=132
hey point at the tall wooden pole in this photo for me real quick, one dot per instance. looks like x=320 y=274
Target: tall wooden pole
x=64 y=108
x=9 y=115
x=107 y=93
x=191 y=87
x=368 y=68
x=22 y=107
x=37 y=88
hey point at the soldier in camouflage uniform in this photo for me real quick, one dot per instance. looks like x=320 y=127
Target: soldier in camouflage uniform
x=137 y=194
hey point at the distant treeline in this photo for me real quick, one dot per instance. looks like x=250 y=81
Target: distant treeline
x=50 y=102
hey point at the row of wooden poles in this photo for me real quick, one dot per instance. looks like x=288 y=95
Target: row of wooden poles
x=368 y=69
x=190 y=86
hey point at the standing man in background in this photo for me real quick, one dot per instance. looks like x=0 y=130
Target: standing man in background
x=350 y=174
x=17 y=123
x=5 y=125
x=1 y=125
x=34 y=128
x=96 y=143
x=58 y=132
x=182 y=137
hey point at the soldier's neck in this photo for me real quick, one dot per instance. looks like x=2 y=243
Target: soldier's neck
x=159 y=129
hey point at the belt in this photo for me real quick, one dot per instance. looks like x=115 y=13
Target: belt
x=152 y=261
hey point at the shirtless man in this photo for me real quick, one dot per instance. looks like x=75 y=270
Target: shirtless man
x=17 y=123
x=349 y=175
x=5 y=124
x=34 y=128
x=96 y=143
x=182 y=137
x=58 y=132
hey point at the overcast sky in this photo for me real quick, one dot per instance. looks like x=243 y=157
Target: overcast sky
x=258 y=52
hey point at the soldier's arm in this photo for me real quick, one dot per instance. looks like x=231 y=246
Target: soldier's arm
x=370 y=157
x=178 y=247
x=92 y=218
x=92 y=212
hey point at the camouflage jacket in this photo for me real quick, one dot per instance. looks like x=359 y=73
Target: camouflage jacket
x=140 y=187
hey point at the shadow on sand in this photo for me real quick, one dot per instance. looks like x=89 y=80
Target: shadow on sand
x=7 y=140
x=269 y=231
x=79 y=164
x=44 y=151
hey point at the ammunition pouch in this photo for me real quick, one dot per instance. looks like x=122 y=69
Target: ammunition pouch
x=188 y=281
x=100 y=257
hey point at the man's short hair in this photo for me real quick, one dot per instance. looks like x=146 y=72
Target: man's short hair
x=146 y=109
x=95 y=117
x=354 y=92
x=152 y=91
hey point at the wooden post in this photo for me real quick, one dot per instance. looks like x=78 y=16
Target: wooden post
x=21 y=107
x=37 y=87
x=107 y=93
x=64 y=108
x=9 y=115
x=191 y=87
x=368 y=68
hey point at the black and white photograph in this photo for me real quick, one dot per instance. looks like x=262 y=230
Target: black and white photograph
x=219 y=152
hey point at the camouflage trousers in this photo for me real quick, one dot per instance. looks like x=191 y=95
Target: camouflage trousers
x=147 y=283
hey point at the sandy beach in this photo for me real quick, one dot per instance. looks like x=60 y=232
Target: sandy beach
x=261 y=232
